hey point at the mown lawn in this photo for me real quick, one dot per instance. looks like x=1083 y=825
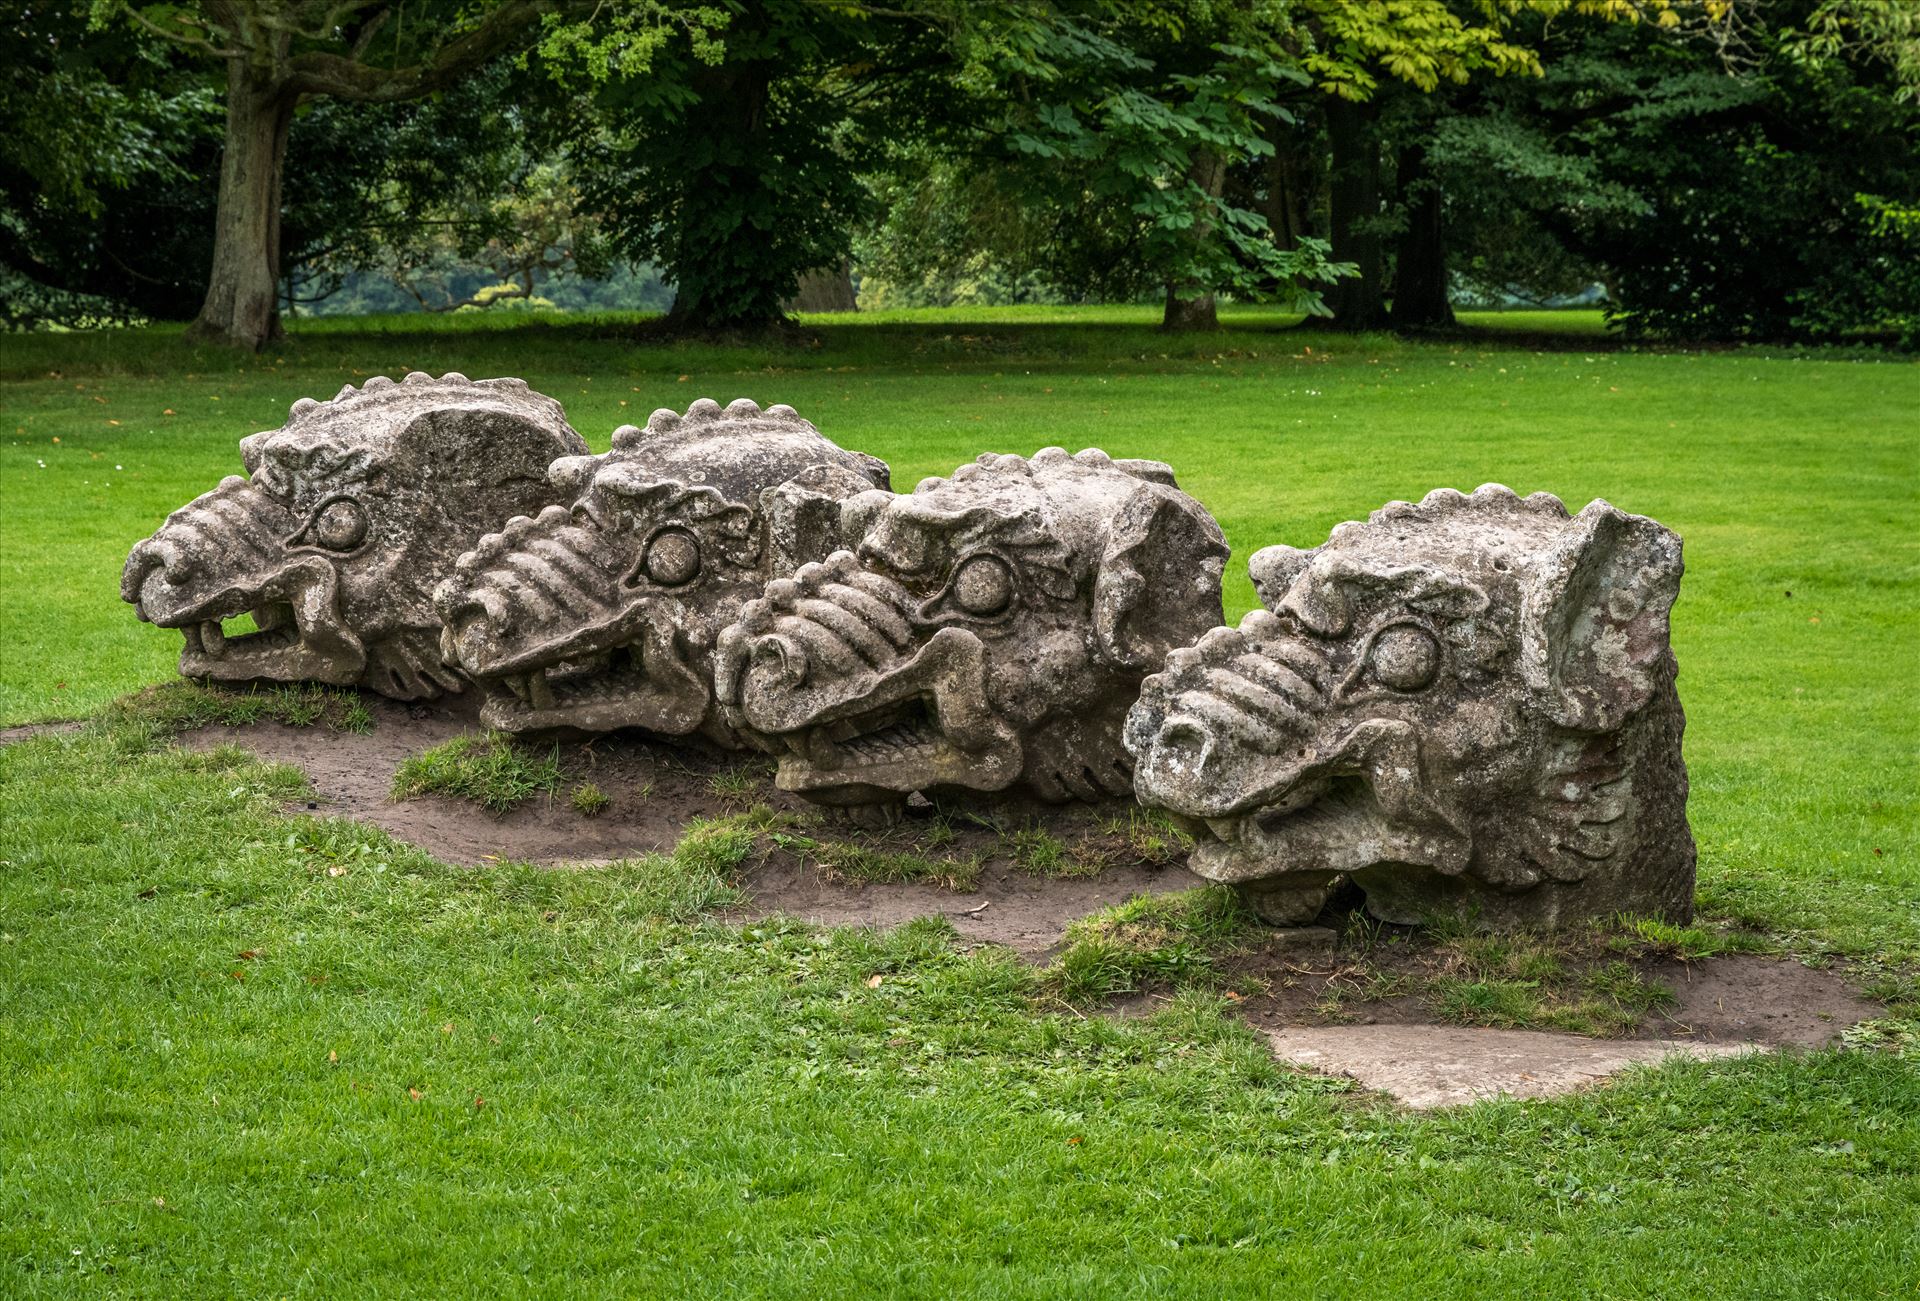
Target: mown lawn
x=617 y=1094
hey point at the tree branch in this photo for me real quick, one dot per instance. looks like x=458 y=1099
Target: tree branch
x=319 y=73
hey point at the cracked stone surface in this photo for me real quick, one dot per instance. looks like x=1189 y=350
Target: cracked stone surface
x=1427 y=1066
x=602 y=613
x=1466 y=706
x=983 y=634
x=348 y=517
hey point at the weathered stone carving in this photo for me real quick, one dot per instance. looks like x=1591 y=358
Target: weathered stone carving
x=602 y=614
x=353 y=511
x=987 y=632
x=1466 y=706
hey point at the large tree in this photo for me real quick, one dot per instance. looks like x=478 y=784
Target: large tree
x=278 y=54
x=734 y=163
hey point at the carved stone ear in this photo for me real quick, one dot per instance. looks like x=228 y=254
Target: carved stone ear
x=803 y=514
x=571 y=474
x=253 y=448
x=1159 y=583
x=1594 y=624
x=1273 y=570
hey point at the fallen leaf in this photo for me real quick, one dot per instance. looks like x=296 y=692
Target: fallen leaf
x=248 y=955
x=1075 y=1141
x=332 y=1056
x=415 y=1094
x=478 y=1102
x=873 y=982
x=447 y=1028
x=167 y=412
x=336 y=871
x=683 y=379
x=1233 y=997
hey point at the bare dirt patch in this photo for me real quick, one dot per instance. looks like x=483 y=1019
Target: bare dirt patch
x=1734 y=998
x=655 y=791
x=1353 y=999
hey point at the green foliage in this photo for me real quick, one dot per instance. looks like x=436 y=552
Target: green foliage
x=1120 y=125
x=492 y=770
x=1756 y=203
x=731 y=160
x=588 y=800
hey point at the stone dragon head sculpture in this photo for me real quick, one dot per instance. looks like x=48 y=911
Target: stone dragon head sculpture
x=602 y=613
x=1465 y=706
x=985 y=632
x=349 y=516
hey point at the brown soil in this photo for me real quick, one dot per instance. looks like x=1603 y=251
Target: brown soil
x=1730 y=999
x=27 y=731
x=655 y=791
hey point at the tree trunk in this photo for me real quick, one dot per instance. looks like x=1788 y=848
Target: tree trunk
x=242 y=308
x=825 y=289
x=1358 y=302
x=1190 y=301
x=1289 y=186
x=1420 y=270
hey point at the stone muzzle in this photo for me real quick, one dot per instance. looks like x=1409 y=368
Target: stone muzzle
x=835 y=669
x=226 y=554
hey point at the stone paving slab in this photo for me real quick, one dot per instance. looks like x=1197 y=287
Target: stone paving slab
x=1427 y=1066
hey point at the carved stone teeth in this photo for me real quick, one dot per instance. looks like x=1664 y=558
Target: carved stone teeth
x=539 y=693
x=517 y=683
x=213 y=638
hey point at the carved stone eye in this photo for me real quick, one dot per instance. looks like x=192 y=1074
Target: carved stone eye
x=983 y=586
x=673 y=558
x=340 y=526
x=1404 y=658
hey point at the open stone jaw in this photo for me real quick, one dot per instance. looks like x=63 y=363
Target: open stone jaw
x=982 y=635
x=1466 y=706
x=602 y=614
x=348 y=515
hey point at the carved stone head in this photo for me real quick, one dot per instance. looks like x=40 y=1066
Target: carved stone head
x=985 y=632
x=1466 y=706
x=602 y=613
x=351 y=513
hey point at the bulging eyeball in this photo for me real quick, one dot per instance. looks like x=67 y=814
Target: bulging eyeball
x=341 y=525
x=1404 y=657
x=983 y=586
x=673 y=558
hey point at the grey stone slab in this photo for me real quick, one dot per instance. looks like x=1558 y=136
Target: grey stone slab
x=1426 y=1066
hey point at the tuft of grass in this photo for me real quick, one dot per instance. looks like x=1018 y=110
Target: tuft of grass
x=851 y=860
x=491 y=770
x=1151 y=835
x=1038 y=852
x=1174 y=939
x=739 y=785
x=175 y=707
x=356 y=718
x=1653 y=937
x=1892 y=1034
x=1504 y=1004
x=589 y=800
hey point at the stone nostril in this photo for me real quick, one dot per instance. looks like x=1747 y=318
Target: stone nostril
x=783 y=656
x=1183 y=742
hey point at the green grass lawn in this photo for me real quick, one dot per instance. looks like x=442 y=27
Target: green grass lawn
x=616 y=1093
